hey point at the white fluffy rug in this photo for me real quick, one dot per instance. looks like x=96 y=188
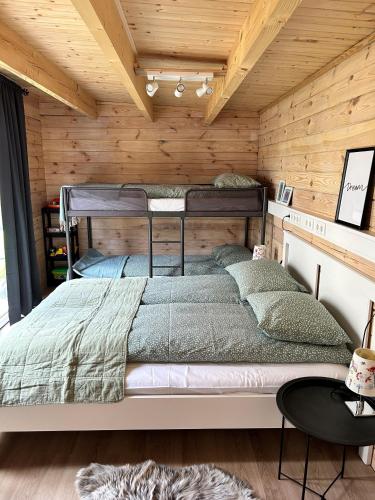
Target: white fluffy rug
x=150 y=481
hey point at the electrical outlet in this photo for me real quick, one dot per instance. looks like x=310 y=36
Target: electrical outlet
x=308 y=223
x=295 y=218
x=320 y=228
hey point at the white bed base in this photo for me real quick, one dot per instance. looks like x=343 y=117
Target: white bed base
x=148 y=412
x=348 y=295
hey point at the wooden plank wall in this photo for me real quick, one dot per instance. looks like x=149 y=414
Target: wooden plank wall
x=121 y=146
x=303 y=138
x=37 y=175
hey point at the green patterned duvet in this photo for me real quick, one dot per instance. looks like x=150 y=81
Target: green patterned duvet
x=216 y=333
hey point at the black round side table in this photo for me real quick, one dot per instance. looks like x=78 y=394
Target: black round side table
x=315 y=405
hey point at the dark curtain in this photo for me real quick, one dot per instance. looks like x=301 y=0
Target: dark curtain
x=22 y=273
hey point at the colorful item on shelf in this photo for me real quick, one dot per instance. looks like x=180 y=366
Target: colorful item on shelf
x=59 y=273
x=54 y=252
x=54 y=203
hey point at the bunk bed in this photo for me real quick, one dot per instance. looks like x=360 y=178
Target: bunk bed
x=106 y=200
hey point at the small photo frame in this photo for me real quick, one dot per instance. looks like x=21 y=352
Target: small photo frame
x=287 y=195
x=356 y=187
x=280 y=191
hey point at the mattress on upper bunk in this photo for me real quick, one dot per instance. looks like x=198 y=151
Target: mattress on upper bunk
x=74 y=346
x=166 y=204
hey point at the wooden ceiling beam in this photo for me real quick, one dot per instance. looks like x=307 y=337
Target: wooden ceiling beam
x=105 y=23
x=171 y=64
x=19 y=59
x=266 y=19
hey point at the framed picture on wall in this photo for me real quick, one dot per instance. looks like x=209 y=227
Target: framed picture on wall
x=280 y=191
x=356 y=187
x=287 y=195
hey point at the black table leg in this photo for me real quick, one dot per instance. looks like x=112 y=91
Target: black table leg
x=306 y=466
x=281 y=474
x=343 y=462
x=281 y=447
x=340 y=475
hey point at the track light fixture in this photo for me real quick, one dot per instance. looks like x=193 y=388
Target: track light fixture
x=202 y=79
x=180 y=88
x=205 y=89
x=152 y=87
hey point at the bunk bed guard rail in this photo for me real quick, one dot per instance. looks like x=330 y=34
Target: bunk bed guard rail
x=101 y=201
x=226 y=202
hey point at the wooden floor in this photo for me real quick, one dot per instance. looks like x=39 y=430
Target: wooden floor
x=42 y=466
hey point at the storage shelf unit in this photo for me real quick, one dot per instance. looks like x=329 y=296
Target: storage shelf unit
x=50 y=220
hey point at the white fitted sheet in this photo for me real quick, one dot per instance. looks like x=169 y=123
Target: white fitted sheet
x=157 y=379
x=166 y=205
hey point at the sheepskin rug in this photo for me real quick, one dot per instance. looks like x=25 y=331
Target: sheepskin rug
x=150 y=481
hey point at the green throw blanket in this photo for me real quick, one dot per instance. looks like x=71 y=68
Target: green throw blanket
x=71 y=348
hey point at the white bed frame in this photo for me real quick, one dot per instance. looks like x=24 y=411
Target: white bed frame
x=347 y=294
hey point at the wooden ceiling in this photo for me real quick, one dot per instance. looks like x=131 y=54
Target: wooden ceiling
x=197 y=32
x=317 y=33
x=200 y=28
x=55 y=28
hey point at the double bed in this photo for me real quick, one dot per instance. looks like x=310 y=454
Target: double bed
x=162 y=353
x=76 y=346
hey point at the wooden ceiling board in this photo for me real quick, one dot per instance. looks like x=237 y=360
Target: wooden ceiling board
x=56 y=30
x=318 y=32
x=24 y=62
x=105 y=22
x=260 y=28
x=185 y=27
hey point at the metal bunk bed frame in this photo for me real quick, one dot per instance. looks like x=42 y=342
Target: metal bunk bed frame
x=198 y=203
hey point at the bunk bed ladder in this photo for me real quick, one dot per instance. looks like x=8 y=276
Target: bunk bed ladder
x=151 y=242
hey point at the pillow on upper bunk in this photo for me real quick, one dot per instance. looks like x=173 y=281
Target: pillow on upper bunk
x=230 y=180
x=296 y=317
x=225 y=255
x=262 y=275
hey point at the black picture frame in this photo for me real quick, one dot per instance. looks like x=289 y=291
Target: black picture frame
x=347 y=193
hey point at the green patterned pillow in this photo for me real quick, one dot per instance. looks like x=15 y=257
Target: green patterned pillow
x=225 y=255
x=296 y=317
x=262 y=275
x=234 y=180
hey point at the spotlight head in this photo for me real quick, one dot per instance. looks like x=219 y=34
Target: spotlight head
x=205 y=89
x=152 y=87
x=200 y=91
x=180 y=88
